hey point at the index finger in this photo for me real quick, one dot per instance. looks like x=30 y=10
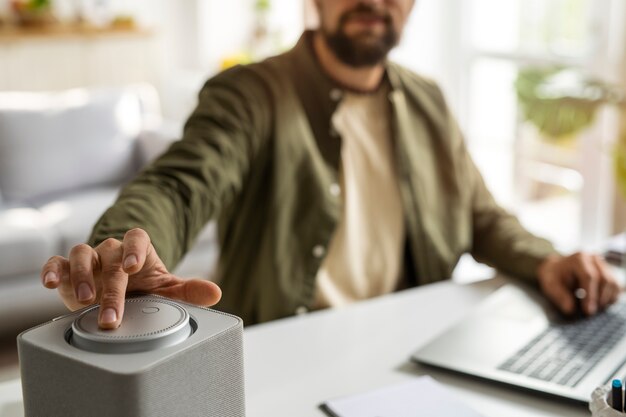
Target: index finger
x=114 y=283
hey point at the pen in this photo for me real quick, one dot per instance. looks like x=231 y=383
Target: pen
x=616 y=390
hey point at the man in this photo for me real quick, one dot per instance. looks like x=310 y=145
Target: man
x=334 y=176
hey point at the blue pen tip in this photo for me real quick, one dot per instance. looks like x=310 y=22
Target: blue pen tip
x=617 y=383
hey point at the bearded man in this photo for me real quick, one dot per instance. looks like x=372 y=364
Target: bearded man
x=334 y=176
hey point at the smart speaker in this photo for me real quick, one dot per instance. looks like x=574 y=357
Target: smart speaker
x=167 y=359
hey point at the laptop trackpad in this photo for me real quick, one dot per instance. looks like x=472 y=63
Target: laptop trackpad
x=491 y=334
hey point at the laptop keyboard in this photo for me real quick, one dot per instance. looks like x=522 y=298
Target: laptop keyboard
x=564 y=353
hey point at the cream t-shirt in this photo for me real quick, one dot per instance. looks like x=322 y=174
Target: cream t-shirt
x=365 y=255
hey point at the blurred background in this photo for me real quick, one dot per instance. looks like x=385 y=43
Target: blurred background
x=536 y=86
x=561 y=188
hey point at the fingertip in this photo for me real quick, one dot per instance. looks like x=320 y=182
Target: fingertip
x=84 y=293
x=136 y=247
x=217 y=293
x=592 y=308
x=51 y=280
x=108 y=319
x=130 y=262
x=203 y=292
x=567 y=306
x=589 y=303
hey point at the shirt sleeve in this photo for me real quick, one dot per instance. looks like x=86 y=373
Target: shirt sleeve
x=176 y=195
x=498 y=237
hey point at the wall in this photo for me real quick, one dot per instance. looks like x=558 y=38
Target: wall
x=192 y=37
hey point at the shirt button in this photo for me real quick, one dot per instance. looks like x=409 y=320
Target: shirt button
x=336 y=94
x=319 y=251
x=335 y=190
x=301 y=310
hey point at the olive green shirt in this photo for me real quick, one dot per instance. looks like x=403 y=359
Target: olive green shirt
x=258 y=155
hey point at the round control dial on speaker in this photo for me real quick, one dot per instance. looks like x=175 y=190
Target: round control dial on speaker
x=148 y=324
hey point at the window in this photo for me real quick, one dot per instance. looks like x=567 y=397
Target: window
x=559 y=189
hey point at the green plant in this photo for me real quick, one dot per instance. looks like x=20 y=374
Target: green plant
x=39 y=4
x=262 y=5
x=561 y=102
x=33 y=6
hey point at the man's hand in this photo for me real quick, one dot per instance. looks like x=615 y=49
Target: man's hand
x=559 y=277
x=105 y=274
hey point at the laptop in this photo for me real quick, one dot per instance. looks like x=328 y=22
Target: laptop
x=515 y=337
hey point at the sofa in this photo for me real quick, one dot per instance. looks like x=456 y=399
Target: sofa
x=63 y=158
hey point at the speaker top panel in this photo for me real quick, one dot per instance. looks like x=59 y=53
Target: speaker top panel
x=175 y=327
x=148 y=324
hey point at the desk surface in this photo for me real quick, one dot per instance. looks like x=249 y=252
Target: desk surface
x=293 y=365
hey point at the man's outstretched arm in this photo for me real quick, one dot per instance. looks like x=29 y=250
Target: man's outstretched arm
x=157 y=216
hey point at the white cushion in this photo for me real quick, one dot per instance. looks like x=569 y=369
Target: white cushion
x=152 y=143
x=25 y=302
x=201 y=260
x=50 y=142
x=74 y=215
x=26 y=241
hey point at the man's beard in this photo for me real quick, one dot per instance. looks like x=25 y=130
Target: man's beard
x=357 y=52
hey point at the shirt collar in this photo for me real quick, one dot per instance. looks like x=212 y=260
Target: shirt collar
x=320 y=95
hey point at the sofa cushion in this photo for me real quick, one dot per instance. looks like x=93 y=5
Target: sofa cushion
x=153 y=142
x=50 y=142
x=202 y=258
x=73 y=215
x=26 y=241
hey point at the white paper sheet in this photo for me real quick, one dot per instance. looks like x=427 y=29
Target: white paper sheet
x=422 y=397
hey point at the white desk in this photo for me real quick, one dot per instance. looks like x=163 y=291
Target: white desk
x=293 y=365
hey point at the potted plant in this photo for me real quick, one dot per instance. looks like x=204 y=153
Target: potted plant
x=561 y=102
x=33 y=12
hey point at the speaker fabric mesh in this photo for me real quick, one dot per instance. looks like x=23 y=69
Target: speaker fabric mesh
x=200 y=377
